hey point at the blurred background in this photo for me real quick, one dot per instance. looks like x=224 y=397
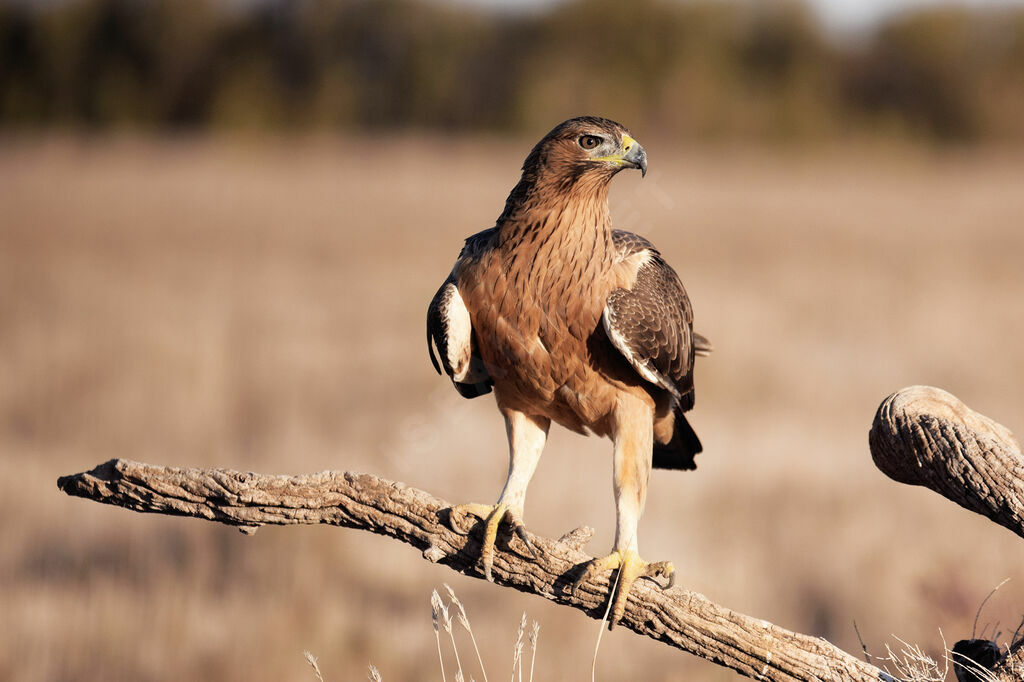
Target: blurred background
x=221 y=222
x=692 y=70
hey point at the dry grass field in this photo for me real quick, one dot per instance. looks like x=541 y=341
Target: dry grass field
x=260 y=305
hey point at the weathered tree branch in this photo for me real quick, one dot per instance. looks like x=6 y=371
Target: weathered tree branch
x=925 y=436
x=921 y=436
x=678 y=617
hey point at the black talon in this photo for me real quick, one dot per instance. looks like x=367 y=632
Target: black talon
x=580 y=579
x=576 y=585
x=654 y=579
x=521 y=534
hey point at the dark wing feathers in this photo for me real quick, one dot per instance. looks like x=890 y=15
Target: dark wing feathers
x=437 y=333
x=651 y=324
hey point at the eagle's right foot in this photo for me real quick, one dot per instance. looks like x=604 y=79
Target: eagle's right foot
x=630 y=567
x=492 y=517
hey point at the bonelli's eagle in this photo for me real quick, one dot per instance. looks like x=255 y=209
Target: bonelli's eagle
x=571 y=321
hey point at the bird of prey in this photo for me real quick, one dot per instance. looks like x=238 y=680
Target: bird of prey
x=571 y=321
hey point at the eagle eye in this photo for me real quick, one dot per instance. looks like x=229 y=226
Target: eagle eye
x=589 y=141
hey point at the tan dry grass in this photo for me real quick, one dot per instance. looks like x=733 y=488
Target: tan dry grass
x=260 y=306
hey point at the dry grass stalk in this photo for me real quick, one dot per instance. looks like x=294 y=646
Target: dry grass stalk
x=446 y=623
x=911 y=664
x=976 y=670
x=311 y=659
x=1015 y=662
x=443 y=618
x=534 y=636
x=981 y=607
x=437 y=611
x=604 y=621
x=464 y=620
x=374 y=674
x=517 y=654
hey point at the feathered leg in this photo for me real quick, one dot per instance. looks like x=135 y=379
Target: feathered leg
x=634 y=441
x=526 y=438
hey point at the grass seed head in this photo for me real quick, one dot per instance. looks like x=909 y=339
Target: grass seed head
x=311 y=659
x=463 y=618
x=437 y=608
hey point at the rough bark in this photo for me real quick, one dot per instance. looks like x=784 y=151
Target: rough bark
x=678 y=617
x=925 y=436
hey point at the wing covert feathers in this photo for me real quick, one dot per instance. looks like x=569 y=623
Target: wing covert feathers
x=651 y=323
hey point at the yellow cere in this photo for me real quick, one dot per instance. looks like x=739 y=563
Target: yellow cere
x=627 y=144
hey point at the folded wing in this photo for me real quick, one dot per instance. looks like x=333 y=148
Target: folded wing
x=651 y=323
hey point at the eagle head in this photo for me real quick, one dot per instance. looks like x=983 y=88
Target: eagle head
x=587 y=146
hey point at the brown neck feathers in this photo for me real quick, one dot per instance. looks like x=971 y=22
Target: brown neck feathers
x=573 y=209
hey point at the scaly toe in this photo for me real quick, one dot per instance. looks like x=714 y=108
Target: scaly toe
x=594 y=568
x=492 y=517
x=491 y=537
x=457 y=515
x=630 y=567
x=661 y=569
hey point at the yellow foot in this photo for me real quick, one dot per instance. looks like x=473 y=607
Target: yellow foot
x=492 y=517
x=630 y=567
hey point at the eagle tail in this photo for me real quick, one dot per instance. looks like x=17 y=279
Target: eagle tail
x=473 y=390
x=681 y=449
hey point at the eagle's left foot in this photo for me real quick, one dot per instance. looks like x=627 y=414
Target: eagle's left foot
x=492 y=517
x=630 y=567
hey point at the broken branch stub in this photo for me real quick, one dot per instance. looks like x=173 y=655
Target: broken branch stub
x=925 y=436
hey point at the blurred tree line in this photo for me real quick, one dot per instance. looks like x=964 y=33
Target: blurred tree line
x=704 y=68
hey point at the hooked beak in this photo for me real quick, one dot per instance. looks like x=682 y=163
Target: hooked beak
x=633 y=155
